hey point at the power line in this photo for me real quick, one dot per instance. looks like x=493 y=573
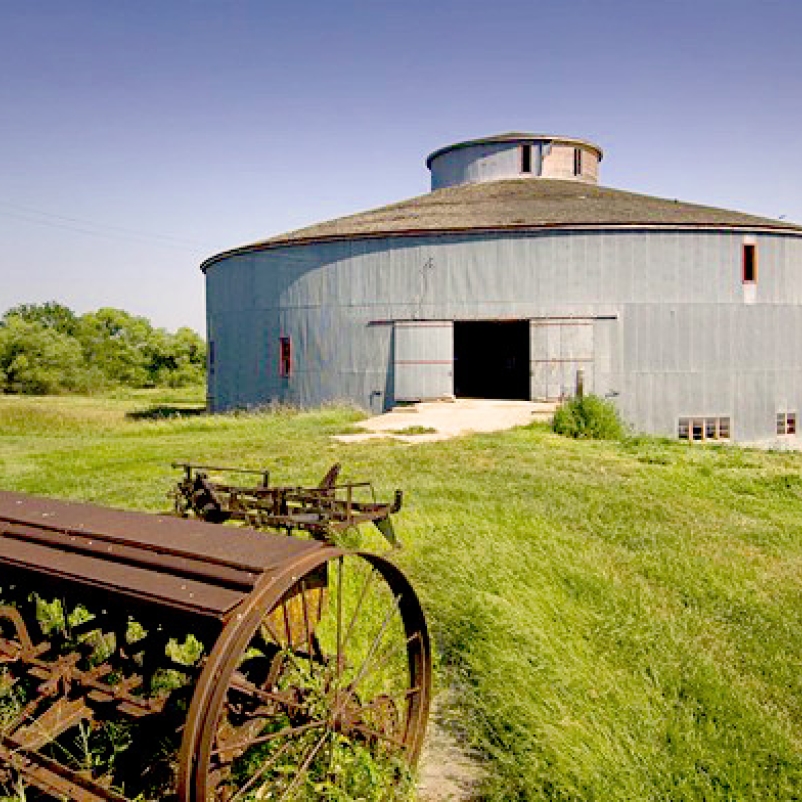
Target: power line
x=83 y=226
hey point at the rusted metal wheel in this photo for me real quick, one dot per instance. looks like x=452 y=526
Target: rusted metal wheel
x=320 y=679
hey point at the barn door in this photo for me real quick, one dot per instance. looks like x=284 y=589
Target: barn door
x=560 y=348
x=423 y=359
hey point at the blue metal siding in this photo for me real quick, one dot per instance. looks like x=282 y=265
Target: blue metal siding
x=685 y=342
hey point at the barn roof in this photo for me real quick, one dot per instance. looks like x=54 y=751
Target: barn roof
x=519 y=205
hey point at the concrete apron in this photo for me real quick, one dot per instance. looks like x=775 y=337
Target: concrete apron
x=440 y=420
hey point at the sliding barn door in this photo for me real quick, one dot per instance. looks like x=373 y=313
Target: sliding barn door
x=423 y=359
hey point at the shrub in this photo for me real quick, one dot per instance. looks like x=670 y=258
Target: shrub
x=588 y=417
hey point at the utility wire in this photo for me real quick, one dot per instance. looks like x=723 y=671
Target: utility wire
x=79 y=225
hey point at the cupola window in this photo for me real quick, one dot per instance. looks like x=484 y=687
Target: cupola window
x=577 y=161
x=526 y=158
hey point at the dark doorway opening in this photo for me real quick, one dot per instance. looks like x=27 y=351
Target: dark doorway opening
x=491 y=359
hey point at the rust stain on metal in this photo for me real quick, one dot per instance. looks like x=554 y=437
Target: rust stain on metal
x=148 y=657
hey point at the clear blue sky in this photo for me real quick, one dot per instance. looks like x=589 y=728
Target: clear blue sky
x=138 y=138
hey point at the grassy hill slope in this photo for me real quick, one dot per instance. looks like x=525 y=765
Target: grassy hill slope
x=620 y=621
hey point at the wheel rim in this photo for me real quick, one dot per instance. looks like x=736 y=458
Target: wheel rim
x=324 y=677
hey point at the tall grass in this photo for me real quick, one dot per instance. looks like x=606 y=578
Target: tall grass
x=619 y=620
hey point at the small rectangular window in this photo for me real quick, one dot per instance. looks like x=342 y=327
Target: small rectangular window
x=285 y=356
x=526 y=158
x=211 y=356
x=717 y=428
x=577 y=161
x=750 y=263
x=786 y=423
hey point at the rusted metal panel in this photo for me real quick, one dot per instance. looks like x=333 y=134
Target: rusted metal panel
x=162 y=534
x=159 y=588
x=98 y=545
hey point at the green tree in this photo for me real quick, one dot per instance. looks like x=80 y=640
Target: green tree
x=177 y=360
x=35 y=359
x=51 y=315
x=117 y=343
x=47 y=348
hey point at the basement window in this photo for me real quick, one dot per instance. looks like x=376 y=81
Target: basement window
x=750 y=263
x=700 y=429
x=526 y=158
x=786 y=423
x=577 y=161
x=285 y=357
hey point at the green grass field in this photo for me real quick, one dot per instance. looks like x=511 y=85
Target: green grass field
x=619 y=621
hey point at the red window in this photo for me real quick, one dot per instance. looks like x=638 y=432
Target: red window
x=285 y=356
x=750 y=263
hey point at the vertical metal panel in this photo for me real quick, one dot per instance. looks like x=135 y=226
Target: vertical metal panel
x=558 y=349
x=424 y=360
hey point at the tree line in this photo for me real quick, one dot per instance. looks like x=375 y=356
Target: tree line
x=47 y=348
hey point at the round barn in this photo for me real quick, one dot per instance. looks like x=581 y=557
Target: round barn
x=516 y=277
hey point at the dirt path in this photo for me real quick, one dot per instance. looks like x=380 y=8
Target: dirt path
x=448 y=771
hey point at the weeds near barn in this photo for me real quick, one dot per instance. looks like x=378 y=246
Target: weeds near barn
x=588 y=417
x=619 y=620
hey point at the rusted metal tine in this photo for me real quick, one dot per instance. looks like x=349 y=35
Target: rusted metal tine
x=51 y=777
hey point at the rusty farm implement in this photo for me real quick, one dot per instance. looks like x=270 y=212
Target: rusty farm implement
x=323 y=511
x=146 y=657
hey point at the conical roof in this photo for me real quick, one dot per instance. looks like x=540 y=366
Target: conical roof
x=528 y=204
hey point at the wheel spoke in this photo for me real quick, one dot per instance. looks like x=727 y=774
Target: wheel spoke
x=305 y=766
x=385 y=658
x=263 y=769
x=287 y=624
x=369 y=731
x=348 y=677
x=307 y=628
x=242 y=685
x=271 y=736
x=358 y=608
x=374 y=646
x=338 y=664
